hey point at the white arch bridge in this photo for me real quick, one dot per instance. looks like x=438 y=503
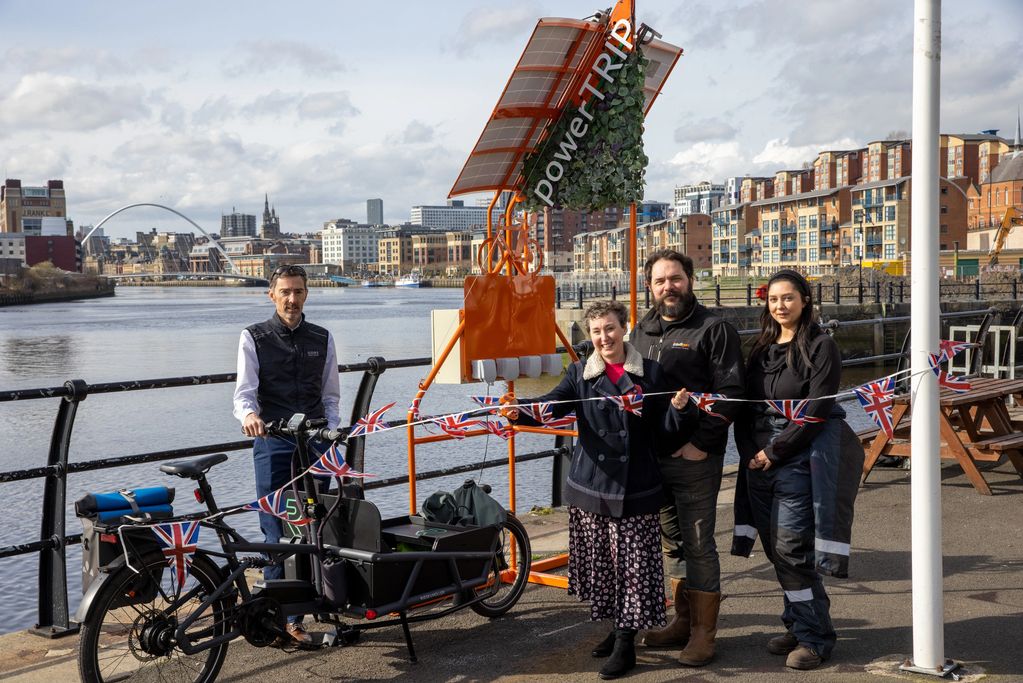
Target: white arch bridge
x=233 y=274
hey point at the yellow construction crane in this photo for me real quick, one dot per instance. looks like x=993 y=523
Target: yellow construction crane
x=1010 y=219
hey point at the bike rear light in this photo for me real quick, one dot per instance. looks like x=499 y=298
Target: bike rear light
x=108 y=538
x=371 y=614
x=199 y=498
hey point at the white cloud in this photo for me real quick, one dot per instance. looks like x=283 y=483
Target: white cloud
x=45 y=101
x=705 y=129
x=786 y=156
x=417 y=132
x=263 y=56
x=707 y=161
x=485 y=25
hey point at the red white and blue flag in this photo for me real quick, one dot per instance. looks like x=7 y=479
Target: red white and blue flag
x=876 y=399
x=414 y=408
x=957 y=384
x=456 y=425
x=561 y=422
x=706 y=401
x=276 y=504
x=179 y=541
x=373 y=422
x=631 y=401
x=541 y=412
x=499 y=428
x=948 y=349
x=487 y=401
x=795 y=410
x=332 y=464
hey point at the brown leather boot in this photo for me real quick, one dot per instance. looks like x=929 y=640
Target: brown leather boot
x=676 y=633
x=704 y=607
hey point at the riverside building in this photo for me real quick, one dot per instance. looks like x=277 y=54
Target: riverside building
x=350 y=245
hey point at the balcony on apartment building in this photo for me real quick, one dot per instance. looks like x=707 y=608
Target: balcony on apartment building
x=755 y=232
x=789 y=244
x=788 y=229
x=874 y=240
x=829 y=227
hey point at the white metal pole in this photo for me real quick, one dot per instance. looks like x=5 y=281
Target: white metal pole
x=928 y=605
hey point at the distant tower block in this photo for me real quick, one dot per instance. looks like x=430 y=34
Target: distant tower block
x=375 y=211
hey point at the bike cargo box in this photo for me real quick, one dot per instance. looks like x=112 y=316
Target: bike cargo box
x=372 y=585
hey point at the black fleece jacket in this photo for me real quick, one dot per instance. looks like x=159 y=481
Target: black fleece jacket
x=700 y=352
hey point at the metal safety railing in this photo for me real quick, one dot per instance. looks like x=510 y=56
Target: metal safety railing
x=53 y=613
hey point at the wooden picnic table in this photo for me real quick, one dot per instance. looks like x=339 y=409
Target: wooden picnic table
x=975 y=427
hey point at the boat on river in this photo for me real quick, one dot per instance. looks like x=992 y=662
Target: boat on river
x=410 y=280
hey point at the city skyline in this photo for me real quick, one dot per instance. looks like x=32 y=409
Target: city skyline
x=144 y=103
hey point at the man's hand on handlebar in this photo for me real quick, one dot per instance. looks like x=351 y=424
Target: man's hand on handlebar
x=252 y=425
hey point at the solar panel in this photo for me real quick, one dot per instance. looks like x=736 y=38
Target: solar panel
x=557 y=55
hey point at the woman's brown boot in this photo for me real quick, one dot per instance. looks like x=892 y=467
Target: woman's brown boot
x=676 y=633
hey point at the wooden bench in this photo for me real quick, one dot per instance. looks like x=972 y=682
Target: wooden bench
x=993 y=449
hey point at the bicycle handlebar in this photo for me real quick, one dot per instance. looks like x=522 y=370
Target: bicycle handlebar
x=299 y=427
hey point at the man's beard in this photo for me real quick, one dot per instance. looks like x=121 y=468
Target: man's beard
x=678 y=309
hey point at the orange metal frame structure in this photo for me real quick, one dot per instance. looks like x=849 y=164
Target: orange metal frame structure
x=512 y=251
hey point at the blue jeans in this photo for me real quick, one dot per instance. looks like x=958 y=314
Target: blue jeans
x=271 y=457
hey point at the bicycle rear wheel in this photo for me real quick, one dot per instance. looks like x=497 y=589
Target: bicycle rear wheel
x=502 y=596
x=130 y=633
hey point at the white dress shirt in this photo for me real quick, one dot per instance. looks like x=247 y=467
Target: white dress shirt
x=248 y=380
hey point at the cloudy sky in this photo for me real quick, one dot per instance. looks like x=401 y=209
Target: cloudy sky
x=206 y=106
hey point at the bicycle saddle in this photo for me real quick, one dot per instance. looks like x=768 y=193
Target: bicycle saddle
x=193 y=469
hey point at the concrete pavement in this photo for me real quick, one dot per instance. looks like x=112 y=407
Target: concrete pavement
x=547 y=635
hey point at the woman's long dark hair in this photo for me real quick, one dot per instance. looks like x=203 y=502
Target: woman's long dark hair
x=805 y=331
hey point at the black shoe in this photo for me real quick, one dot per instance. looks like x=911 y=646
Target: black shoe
x=606 y=646
x=623 y=656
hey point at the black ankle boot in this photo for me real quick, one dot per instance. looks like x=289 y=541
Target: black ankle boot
x=623 y=656
x=606 y=646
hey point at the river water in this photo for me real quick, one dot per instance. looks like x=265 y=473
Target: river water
x=155 y=332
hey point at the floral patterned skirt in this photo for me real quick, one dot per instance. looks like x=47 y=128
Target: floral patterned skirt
x=615 y=565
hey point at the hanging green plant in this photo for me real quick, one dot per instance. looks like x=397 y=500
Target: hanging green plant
x=593 y=157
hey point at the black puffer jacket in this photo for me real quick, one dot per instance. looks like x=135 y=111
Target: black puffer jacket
x=700 y=352
x=614 y=469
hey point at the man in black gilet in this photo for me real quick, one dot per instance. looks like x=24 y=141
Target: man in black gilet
x=285 y=366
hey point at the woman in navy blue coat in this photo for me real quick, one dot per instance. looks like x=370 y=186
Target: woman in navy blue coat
x=614 y=489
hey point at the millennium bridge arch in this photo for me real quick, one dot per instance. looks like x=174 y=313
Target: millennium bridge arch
x=234 y=268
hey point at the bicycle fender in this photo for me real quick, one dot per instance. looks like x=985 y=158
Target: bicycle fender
x=85 y=606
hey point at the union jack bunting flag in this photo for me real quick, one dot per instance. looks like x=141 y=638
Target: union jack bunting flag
x=541 y=412
x=948 y=349
x=332 y=464
x=631 y=401
x=560 y=422
x=455 y=425
x=876 y=399
x=487 y=401
x=499 y=428
x=795 y=411
x=957 y=384
x=277 y=505
x=373 y=422
x=179 y=541
x=706 y=401
x=414 y=408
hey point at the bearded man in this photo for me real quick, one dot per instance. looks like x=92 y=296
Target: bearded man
x=698 y=351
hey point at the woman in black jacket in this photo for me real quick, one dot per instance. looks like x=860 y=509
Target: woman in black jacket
x=795 y=465
x=614 y=488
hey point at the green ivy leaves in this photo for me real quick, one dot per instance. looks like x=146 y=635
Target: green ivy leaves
x=609 y=166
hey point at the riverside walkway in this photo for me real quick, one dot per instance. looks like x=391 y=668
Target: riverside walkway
x=547 y=636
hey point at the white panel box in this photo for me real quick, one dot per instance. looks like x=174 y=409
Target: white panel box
x=443 y=324
x=508 y=368
x=530 y=366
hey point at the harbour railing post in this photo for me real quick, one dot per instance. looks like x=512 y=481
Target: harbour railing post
x=1015 y=289
x=614 y=292
x=557 y=296
x=820 y=292
x=976 y=287
x=717 y=293
x=559 y=468
x=54 y=620
x=580 y=303
x=877 y=292
x=838 y=293
x=749 y=294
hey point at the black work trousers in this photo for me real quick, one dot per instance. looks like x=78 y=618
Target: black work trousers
x=687 y=520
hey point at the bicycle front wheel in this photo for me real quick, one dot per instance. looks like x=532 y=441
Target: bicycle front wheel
x=131 y=631
x=511 y=564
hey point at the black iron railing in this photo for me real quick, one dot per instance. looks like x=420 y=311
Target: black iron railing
x=53 y=613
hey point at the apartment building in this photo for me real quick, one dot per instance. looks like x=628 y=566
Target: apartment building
x=350 y=245
x=34 y=210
